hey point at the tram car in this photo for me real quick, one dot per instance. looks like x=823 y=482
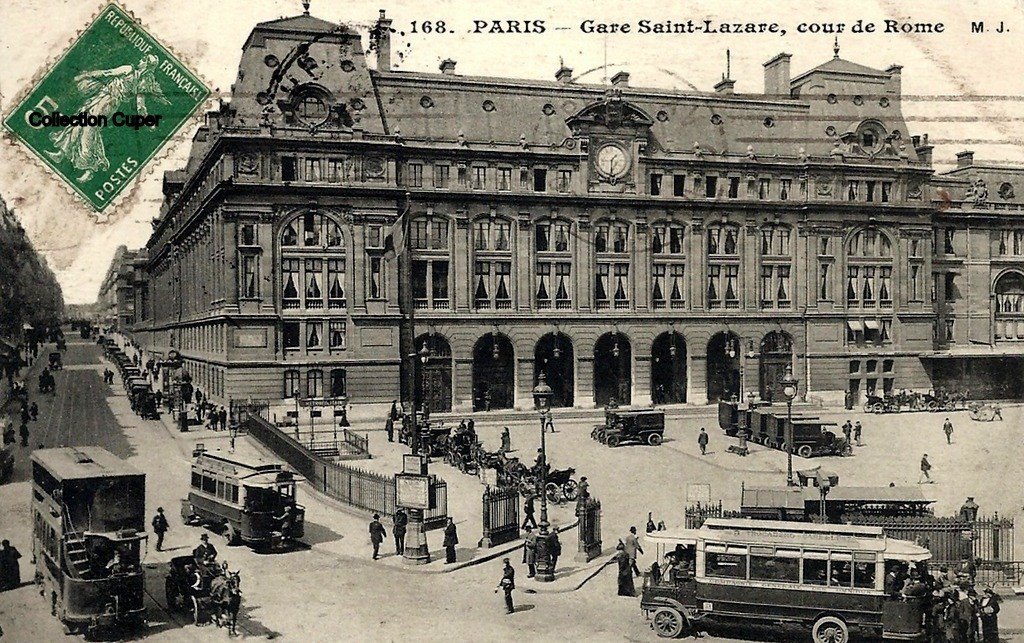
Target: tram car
x=88 y=524
x=244 y=500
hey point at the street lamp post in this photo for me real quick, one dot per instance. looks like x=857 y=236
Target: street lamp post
x=789 y=389
x=542 y=398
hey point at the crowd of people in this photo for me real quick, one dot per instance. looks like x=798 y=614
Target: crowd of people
x=956 y=611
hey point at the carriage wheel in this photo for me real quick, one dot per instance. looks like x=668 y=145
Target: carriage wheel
x=932 y=406
x=571 y=490
x=654 y=439
x=612 y=441
x=781 y=446
x=553 y=492
x=805 y=451
x=877 y=407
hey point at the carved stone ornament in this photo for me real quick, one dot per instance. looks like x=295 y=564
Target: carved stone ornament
x=248 y=163
x=978 y=192
x=914 y=192
x=1005 y=191
x=823 y=188
x=373 y=167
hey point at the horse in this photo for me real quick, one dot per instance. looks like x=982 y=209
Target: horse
x=226 y=600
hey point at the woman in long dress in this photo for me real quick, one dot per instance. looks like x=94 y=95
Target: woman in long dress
x=626 y=587
x=104 y=91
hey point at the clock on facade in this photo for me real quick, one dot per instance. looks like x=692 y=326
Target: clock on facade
x=612 y=161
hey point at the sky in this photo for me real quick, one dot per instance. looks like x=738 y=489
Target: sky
x=965 y=90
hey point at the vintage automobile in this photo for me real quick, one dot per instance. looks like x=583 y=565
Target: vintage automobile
x=143 y=400
x=56 y=362
x=766 y=425
x=643 y=426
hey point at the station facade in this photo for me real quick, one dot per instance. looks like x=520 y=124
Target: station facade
x=636 y=245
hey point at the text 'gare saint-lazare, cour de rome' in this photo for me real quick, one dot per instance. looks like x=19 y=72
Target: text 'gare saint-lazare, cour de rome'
x=705 y=26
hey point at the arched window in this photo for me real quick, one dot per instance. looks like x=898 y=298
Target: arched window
x=554 y=263
x=430 y=242
x=313 y=263
x=723 y=259
x=776 y=256
x=668 y=265
x=492 y=263
x=612 y=257
x=869 y=269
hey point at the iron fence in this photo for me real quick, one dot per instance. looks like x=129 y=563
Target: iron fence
x=365 y=490
x=500 y=516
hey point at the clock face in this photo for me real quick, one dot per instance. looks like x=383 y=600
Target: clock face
x=612 y=161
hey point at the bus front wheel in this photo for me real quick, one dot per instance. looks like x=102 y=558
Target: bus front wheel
x=669 y=623
x=829 y=629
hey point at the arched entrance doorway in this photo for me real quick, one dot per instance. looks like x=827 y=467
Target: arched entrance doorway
x=776 y=355
x=554 y=356
x=434 y=378
x=723 y=367
x=493 y=373
x=668 y=369
x=613 y=369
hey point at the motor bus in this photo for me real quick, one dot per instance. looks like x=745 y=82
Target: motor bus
x=88 y=527
x=243 y=499
x=825 y=578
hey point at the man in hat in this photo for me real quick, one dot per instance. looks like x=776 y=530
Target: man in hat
x=702 y=441
x=926 y=468
x=989 y=607
x=947 y=428
x=401 y=523
x=506 y=585
x=205 y=553
x=451 y=538
x=160 y=527
x=377 y=534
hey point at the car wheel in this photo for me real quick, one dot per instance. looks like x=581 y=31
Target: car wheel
x=829 y=629
x=613 y=440
x=668 y=623
x=804 y=451
x=654 y=439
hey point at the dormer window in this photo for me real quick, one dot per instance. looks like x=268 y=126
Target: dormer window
x=870 y=136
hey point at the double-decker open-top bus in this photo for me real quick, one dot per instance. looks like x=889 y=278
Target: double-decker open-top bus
x=829 y=578
x=89 y=521
x=245 y=499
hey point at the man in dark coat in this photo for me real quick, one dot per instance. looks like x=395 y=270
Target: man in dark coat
x=506 y=585
x=990 y=616
x=528 y=509
x=389 y=428
x=377 y=535
x=10 y=568
x=401 y=523
x=205 y=553
x=33 y=410
x=555 y=548
x=702 y=441
x=451 y=538
x=160 y=527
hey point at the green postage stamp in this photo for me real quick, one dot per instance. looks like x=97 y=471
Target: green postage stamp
x=104 y=110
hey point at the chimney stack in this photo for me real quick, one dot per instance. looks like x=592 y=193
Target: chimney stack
x=776 y=76
x=382 y=33
x=964 y=159
x=725 y=86
x=447 y=67
x=564 y=74
x=895 y=84
x=621 y=79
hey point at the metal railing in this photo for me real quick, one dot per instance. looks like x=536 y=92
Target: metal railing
x=500 y=516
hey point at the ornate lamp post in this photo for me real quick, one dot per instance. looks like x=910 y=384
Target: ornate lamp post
x=423 y=354
x=789 y=389
x=542 y=398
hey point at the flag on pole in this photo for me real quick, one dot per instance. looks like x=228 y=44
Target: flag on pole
x=394 y=241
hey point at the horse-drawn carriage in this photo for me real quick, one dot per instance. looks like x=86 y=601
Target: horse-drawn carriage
x=643 y=426
x=461 y=451
x=218 y=597
x=902 y=401
x=985 y=412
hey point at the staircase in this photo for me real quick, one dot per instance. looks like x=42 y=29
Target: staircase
x=77 y=557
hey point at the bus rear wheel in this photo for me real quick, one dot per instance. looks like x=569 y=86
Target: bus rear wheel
x=669 y=623
x=829 y=629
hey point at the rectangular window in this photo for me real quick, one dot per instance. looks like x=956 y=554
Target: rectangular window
x=915 y=282
x=291 y=384
x=442 y=176
x=678 y=185
x=290 y=335
x=418 y=236
x=949 y=239
x=540 y=180
x=460 y=175
x=502 y=279
x=336 y=283
x=734 y=187
x=621 y=285
x=315 y=383
x=524 y=178
x=864 y=574
x=952 y=292
x=542 y=237
x=339 y=385
x=823 y=246
x=785 y=187
x=502 y=236
x=658 y=285
x=655 y=184
x=885 y=285
x=782 y=292
x=564 y=180
x=886 y=191
x=766 y=286
x=602 y=283
x=870 y=185
x=416 y=175
x=481 y=235
x=824 y=289
x=482 y=284
x=885 y=335
x=313 y=173
x=439 y=234
x=290 y=283
x=376 y=277
x=314 y=335
x=247 y=234
x=732 y=296
x=764 y=189
x=504 y=178
x=336 y=338
x=335 y=170
x=852 y=277
x=289 y=168
x=250 y=282
x=543 y=285
x=563 y=287
x=439 y=283
x=725 y=565
x=815 y=569
x=915 y=247
x=479 y=177
x=419 y=279
x=714 y=287
x=677 y=287
x=852 y=190
x=949 y=330
x=314 y=296
x=775 y=569
x=710 y=186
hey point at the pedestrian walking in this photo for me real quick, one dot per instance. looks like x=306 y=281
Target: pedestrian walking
x=625 y=578
x=377 y=534
x=160 y=527
x=583 y=490
x=989 y=607
x=530 y=552
x=947 y=428
x=528 y=509
x=389 y=427
x=24 y=434
x=632 y=546
x=451 y=538
x=857 y=428
x=10 y=568
x=401 y=523
x=506 y=585
x=34 y=411
x=506 y=441
x=555 y=549
x=702 y=441
x=848 y=431
x=394 y=411
x=9 y=436
x=26 y=416
x=926 y=468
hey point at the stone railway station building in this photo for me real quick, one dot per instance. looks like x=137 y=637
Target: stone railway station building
x=643 y=245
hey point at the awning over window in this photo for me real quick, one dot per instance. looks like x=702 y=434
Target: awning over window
x=871 y=324
x=855 y=325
